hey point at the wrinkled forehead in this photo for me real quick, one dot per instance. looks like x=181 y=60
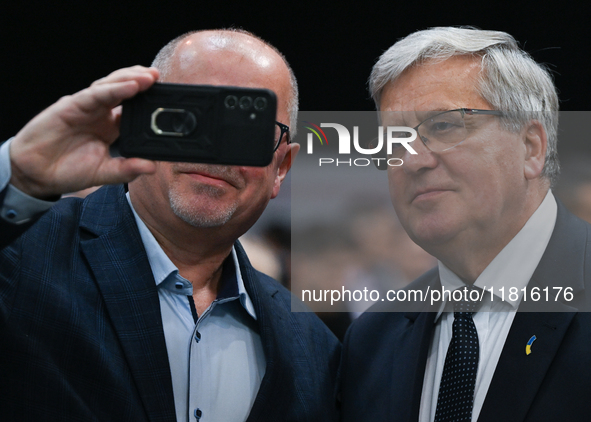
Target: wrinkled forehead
x=435 y=86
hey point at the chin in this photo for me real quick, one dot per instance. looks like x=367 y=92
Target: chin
x=204 y=221
x=432 y=231
x=202 y=218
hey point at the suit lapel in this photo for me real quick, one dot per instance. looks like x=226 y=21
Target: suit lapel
x=112 y=245
x=416 y=351
x=287 y=385
x=562 y=265
x=264 y=407
x=412 y=373
x=408 y=348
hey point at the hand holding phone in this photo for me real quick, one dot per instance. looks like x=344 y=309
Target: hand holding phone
x=65 y=148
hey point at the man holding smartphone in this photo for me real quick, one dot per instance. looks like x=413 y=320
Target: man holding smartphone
x=142 y=305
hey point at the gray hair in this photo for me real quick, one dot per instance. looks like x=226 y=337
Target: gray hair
x=163 y=62
x=510 y=81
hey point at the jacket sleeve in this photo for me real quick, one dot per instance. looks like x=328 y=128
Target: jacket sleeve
x=18 y=211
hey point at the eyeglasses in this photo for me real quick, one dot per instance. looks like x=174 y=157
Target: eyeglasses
x=280 y=130
x=440 y=132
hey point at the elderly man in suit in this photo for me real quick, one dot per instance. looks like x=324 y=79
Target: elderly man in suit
x=143 y=305
x=476 y=196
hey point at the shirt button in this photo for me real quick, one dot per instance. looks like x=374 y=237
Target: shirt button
x=178 y=285
x=197 y=336
x=198 y=413
x=11 y=214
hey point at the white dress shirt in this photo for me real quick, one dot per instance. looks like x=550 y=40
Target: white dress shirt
x=512 y=267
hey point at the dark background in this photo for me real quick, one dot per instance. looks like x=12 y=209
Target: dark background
x=51 y=48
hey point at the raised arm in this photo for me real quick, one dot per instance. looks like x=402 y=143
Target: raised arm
x=66 y=147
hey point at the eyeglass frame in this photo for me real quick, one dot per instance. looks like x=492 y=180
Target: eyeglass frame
x=284 y=131
x=464 y=111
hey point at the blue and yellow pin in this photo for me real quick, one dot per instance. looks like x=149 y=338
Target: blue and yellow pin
x=528 y=345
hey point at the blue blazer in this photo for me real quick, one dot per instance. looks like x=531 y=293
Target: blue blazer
x=385 y=353
x=81 y=335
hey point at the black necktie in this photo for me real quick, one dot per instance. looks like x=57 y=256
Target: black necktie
x=456 y=391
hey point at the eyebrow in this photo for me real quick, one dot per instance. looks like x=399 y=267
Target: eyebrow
x=418 y=115
x=423 y=115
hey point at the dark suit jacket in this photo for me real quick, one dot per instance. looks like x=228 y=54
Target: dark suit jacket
x=385 y=353
x=81 y=335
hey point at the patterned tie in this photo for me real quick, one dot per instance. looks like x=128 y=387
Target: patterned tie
x=456 y=391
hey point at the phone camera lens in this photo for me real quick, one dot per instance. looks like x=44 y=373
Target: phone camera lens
x=231 y=101
x=245 y=103
x=260 y=103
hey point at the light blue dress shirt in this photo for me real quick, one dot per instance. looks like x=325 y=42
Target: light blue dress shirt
x=18 y=207
x=217 y=364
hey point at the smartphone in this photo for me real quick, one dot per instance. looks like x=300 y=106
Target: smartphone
x=199 y=123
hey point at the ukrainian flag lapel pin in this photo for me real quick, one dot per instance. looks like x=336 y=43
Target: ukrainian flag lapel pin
x=528 y=345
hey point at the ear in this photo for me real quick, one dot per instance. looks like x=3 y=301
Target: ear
x=284 y=167
x=535 y=144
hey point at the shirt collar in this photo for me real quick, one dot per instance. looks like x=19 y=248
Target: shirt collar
x=166 y=274
x=517 y=261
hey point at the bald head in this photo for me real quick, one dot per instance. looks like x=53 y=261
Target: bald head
x=230 y=57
